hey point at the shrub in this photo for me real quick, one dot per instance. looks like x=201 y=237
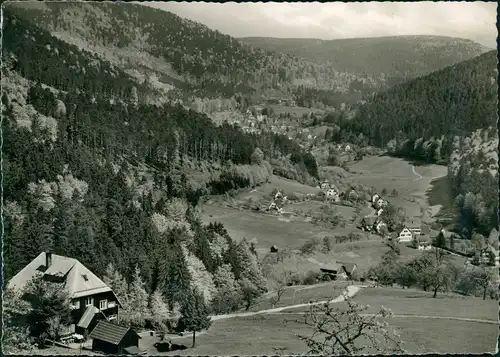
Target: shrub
x=328 y=243
x=296 y=278
x=309 y=247
x=312 y=277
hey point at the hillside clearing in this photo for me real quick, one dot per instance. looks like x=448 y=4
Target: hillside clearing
x=412 y=183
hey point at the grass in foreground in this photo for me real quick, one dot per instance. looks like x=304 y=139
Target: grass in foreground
x=259 y=335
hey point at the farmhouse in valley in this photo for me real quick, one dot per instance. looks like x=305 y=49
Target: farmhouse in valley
x=405 y=235
x=379 y=226
x=333 y=271
x=348 y=268
x=380 y=203
x=91 y=299
x=368 y=223
x=114 y=339
x=375 y=198
x=325 y=185
x=333 y=195
x=424 y=243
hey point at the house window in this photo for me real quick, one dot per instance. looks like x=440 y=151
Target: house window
x=103 y=304
x=89 y=301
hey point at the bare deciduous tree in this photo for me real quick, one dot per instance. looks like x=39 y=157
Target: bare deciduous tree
x=349 y=331
x=281 y=283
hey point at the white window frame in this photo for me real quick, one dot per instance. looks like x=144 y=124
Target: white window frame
x=105 y=301
x=89 y=301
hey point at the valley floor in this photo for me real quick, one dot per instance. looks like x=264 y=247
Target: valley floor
x=446 y=324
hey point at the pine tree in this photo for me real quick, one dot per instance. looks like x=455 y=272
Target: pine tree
x=174 y=275
x=138 y=297
x=194 y=314
x=249 y=266
x=159 y=309
x=118 y=284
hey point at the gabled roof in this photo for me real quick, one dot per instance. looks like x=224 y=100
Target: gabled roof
x=109 y=332
x=133 y=350
x=87 y=316
x=424 y=239
x=349 y=267
x=331 y=267
x=78 y=279
x=402 y=229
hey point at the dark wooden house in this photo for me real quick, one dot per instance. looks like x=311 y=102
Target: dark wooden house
x=111 y=338
x=91 y=299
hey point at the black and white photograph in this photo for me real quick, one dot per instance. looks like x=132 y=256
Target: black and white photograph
x=249 y=178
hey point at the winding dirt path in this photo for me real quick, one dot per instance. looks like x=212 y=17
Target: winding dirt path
x=416 y=173
x=350 y=291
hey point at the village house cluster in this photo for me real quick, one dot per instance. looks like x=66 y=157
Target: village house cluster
x=374 y=222
x=330 y=190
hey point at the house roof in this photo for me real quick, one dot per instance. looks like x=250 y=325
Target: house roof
x=87 y=316
x=331 y=267
x=424 y=239
x=133 y=350
x=109 y=332
x=349 y=267
x=402 y=229
x=78 y=279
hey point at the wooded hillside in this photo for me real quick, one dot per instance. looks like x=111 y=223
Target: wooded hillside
x=396 y=58
x=93 y=173
x=146 y=41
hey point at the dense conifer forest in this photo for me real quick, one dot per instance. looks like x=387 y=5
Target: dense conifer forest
x=108 y=185
x=203 y=62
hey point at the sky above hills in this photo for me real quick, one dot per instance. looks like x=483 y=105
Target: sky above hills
x=472 y=20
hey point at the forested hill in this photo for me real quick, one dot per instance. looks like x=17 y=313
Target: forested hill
x=396 y=57
x=169 y=51
x=447 y=117
x=454 y=101
x=92 y=172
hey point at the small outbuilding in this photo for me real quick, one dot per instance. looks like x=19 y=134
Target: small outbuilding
x=274 y=249
x=349 y=269
x=114 y=339
x=333 y=271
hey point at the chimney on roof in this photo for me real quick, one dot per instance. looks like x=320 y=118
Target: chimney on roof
x=48 y=260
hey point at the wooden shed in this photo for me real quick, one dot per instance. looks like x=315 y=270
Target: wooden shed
x=333 y=271
x=114 y=339
x=274 y=249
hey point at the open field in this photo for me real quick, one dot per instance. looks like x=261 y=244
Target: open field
x=261 y=334
x=268 y=229
x=303 y=294
x=417 y=302
x=280 y=183
x=414 y=302
x=365 y=253
x=412 y=183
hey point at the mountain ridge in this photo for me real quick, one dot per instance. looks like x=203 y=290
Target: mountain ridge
x=381 y=49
